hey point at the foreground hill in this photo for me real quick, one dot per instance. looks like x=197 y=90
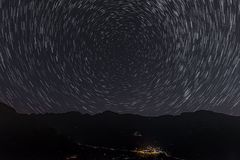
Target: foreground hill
x=23 y=137
x=202 y=135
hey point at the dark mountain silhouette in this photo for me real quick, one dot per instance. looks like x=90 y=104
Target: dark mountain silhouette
x=6 y=109
x=202 y=135
x=23 y=137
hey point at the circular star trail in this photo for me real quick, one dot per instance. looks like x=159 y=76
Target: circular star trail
x=148 y=57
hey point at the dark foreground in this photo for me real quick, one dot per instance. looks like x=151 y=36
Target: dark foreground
x=201 y=135
x=86 y=153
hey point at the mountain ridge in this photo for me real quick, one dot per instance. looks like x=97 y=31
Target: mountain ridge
x=8 y=109
x=199 y=135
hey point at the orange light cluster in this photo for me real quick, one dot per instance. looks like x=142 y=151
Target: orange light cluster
x=149 y=152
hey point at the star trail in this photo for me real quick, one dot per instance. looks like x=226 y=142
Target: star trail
x=148 y=57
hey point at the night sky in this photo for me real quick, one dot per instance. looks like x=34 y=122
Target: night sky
x=148 y=57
